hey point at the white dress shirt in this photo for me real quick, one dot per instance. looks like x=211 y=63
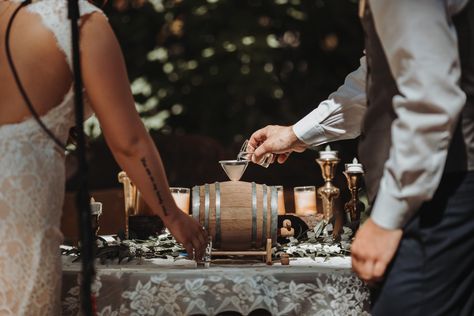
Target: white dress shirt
x=420 y=44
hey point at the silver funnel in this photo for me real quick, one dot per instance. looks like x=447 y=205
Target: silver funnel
x=234 y=168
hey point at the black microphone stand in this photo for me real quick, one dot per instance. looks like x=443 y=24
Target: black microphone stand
x=82 y=198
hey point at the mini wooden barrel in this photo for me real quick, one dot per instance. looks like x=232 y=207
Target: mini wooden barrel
x=237 y=215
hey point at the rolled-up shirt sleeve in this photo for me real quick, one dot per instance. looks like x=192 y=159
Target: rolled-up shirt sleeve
x=339 y=117
x=420 y=45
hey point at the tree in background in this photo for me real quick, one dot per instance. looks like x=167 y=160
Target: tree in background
x=224 y=68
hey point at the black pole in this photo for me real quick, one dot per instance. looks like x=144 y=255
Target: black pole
x=82 y=198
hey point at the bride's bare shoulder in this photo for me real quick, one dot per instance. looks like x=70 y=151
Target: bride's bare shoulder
x=40 y=29
x=40 y=45
x=98 y=40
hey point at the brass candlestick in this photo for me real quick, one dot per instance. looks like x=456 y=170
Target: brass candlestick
x=354 y=173
x=140 y=222
x=328 y=161
x=131 y=199
x=328 y=192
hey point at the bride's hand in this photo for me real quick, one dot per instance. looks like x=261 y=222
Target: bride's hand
x=188 y=232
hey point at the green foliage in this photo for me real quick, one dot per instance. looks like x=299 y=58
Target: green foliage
x=224 y=68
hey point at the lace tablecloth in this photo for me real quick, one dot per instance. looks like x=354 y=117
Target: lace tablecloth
x=163 y=287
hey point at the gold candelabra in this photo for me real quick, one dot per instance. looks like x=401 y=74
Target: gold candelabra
x=354 y=173
x=328 y=161
x=132 y=199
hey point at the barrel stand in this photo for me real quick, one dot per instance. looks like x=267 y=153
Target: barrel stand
x=266 y=254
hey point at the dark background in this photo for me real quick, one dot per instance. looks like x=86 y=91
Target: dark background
x=207 y=74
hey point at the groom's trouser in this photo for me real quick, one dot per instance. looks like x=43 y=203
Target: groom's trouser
x=433 y=270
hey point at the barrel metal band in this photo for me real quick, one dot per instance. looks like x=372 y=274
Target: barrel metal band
x=274 y=217
x=218 y=215
x=265 y=214
x=254 y=214
x=206 y=206
x=196 y=203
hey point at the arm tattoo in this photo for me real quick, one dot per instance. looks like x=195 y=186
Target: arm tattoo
x=155 y=187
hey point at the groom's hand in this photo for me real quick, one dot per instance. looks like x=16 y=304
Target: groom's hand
x=279 y=140
x=373 y=249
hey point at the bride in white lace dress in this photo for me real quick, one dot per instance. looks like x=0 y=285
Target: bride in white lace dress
x=32 y=171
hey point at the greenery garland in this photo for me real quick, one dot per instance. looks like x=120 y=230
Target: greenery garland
x=315 y=243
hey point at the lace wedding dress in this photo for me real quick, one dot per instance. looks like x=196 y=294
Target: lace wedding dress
x=32 y=178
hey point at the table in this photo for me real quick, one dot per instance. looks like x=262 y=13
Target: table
x=164 y=287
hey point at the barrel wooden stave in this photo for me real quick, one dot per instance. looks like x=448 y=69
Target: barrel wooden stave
x=247 y=213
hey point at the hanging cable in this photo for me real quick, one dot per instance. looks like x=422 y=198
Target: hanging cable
x=82 y=198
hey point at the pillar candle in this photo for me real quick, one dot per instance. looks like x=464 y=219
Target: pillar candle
x=354 y=167
x=281 y=200
x=305 y=200
x=181 y=197
x=327 y=153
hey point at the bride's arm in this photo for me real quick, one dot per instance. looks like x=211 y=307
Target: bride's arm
x=106 y=82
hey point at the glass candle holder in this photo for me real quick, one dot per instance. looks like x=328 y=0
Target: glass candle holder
x=181 y=197
x=305 y=200
x=281 y=200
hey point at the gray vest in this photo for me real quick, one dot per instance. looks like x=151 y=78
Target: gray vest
x=375 y=139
